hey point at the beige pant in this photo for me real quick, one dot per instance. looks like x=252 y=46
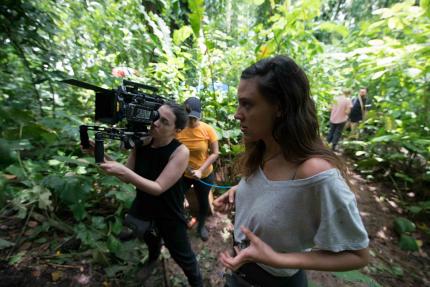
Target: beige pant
x=355 y=131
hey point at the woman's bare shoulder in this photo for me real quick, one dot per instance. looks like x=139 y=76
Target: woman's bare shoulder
x=183 y=150
x=312 y=166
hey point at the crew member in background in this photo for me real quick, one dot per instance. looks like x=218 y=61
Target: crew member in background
x=338 y=117
x=358 y=111
x=202 y=141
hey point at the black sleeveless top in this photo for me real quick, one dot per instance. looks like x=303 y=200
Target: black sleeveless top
x=149 y=164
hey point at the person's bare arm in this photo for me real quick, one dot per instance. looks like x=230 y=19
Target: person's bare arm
x=258 y=251
x=323 y=260
x=214 y=153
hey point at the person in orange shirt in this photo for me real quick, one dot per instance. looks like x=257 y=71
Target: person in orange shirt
x=202 y=141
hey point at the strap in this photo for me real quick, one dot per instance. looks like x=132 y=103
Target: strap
x=214 y=185
x=295 y=172
x=361 y=105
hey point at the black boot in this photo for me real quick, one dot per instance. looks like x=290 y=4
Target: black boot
x=126 y=234
x=203 y=232
x=147 y=269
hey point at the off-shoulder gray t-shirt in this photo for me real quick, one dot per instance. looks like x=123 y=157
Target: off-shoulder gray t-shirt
x=297 y=215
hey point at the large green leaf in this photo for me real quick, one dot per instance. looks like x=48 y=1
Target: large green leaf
x=196 y=15
x=39 y=132
x=7 y=155
x=425 y=4
x=402 y=225
x=333 y=27
x=408 y=243
x=5 y=244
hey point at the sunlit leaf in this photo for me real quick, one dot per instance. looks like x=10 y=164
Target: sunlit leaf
x=376 y=42
x=196 y=16
x=44 y=198
x=182 y=34
x=257 y=2
x=379 y=74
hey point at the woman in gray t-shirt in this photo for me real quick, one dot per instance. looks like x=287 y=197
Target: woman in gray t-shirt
x=294 y=207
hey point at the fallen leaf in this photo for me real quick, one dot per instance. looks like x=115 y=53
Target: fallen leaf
x=56 y=275
x=33 y=224
x=83 y=279
x=10 y=176
x=36 y=273
x=25 y=246
x=420 y=243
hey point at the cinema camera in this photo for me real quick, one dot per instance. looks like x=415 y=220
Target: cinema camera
x=136 y=103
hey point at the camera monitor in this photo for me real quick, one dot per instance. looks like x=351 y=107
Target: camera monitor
x=107 y=107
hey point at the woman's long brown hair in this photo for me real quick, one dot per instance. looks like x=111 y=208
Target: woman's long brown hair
x=283 y=83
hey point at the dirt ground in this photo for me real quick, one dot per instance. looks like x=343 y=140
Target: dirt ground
x=389 y=265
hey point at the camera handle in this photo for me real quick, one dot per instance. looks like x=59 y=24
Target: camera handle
x=99 y=142
x=128 y=139
x=83 y=134
x=99 y=150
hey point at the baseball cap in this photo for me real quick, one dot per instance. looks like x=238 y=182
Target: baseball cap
x=194 y=107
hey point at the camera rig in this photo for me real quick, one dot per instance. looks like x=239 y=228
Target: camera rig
x=136 y=103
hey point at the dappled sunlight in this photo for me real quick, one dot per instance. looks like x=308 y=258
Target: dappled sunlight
x=382 y=233
x=226 y=234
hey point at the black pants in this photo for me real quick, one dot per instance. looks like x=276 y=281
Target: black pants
x=251 y=274
x=174 y=234
x=202 y=194
x=335 y=133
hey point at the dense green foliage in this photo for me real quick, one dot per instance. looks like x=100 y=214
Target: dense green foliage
x=193 y=48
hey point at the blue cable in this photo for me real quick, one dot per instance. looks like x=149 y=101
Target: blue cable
x=214 y=185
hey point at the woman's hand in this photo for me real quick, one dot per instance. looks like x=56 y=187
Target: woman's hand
x=196 y=173
x=257 y=251
x=116 y=169
x=225 y=203
x=90 y=149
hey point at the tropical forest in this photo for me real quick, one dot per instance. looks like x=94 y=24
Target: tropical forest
x=73 y=74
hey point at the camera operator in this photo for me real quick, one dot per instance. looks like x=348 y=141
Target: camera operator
x=156 y=170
